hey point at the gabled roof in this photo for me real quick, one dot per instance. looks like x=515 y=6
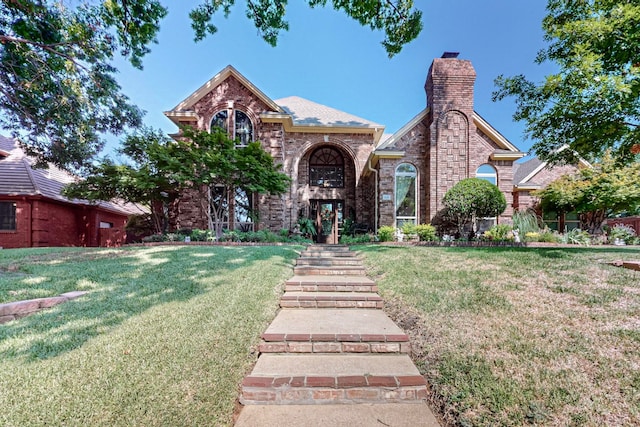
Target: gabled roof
x=525 y=172
x=506 y=150
x=18 y=177
x=302 y=115
x=185 y=108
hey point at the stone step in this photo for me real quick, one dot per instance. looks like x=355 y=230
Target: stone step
x=330 y=254
x=328 y=261
x=326 y=283
x=362 y=415
x=334 y=331
x=323 y=270
x=284 y=379
x=331 y=300
x=333 y=248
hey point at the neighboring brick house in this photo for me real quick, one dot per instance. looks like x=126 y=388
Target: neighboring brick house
x=33 y=213
x=535 y=174
x=344 y=166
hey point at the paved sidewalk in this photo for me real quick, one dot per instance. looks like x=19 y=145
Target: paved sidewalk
x=332 y=357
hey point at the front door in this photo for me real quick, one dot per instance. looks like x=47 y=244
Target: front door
x=328 y=214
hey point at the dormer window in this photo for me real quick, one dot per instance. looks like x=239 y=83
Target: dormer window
x=237 y=120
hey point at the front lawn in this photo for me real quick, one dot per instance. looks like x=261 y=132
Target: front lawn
x=519 y=336
x=164 y=336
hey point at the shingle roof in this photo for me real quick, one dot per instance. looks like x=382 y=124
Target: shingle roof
x=305 y=112
x=523 y=170
x=18 y=177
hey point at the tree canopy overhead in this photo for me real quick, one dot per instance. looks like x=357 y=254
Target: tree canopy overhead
x=592 y=103
x=58 y=87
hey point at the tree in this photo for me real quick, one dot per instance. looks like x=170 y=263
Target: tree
x=592 y=103
x=58 y=90
x=160 y=170
x=595 y=193
x=473 y=198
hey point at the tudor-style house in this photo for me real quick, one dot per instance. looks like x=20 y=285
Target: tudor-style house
x=343 y=166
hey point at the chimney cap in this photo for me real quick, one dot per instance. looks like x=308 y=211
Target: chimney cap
x=450 y=55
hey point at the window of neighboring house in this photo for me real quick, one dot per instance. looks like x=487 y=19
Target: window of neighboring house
x=242 y=126
x=104 y=224
x=571 y=221
x=7 y=216
x=489 y=173
x=406 y=192
x=551 y=220
x=326 y=168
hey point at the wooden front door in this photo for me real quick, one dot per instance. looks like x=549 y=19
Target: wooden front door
x=328 y=214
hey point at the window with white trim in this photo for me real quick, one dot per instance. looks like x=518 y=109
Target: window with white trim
x=487 y=172
x=406 y=194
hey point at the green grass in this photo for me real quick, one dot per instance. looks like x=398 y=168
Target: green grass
x=164 y=336
x=519 y=336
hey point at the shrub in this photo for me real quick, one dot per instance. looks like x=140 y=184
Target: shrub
x=532 y=236
x=473 y=198
x=624 y=233
x=548 y=236
x=499 y=233
x=409 y=229
x=577 y=237
x=386 y=233
x=426 y=233
x=526 y=222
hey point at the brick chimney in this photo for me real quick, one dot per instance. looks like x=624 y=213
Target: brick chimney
x=449 y=90
x=449 y=85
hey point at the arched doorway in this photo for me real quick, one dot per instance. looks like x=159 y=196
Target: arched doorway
x=327 y=180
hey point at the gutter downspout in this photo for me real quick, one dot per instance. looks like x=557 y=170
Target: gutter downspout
x=375 y=218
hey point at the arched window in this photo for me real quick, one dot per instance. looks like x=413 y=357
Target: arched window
x=326 y=168
x=406 y=192
x=487 y=172
x=220 y=120
x=242 y=126
x=243 y=129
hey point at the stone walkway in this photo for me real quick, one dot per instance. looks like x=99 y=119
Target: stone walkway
x=332 y=357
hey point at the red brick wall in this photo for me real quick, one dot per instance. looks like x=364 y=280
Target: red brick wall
x=523 y=200
x=19 y=238
x=43 y=223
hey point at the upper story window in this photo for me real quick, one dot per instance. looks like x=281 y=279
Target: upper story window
x=7 y=216
x=326 y=168
x=487 y=172
x=406 y=200
x=238 y=121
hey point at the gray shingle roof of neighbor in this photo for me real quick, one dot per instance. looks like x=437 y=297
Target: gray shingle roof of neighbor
x=305 y=112
x=524 y=169
x=18 y=177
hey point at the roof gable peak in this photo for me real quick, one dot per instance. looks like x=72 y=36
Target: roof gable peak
x=229 y=71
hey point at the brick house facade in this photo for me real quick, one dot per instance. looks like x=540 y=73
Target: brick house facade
x=33 y=213
x=343 y=166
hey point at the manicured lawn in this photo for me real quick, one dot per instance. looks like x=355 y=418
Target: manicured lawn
x=526 y=336
x=164 y=336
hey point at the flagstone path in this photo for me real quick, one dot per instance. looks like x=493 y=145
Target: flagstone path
x=331 y=356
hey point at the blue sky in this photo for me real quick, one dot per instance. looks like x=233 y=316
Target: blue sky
x=328 y=58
